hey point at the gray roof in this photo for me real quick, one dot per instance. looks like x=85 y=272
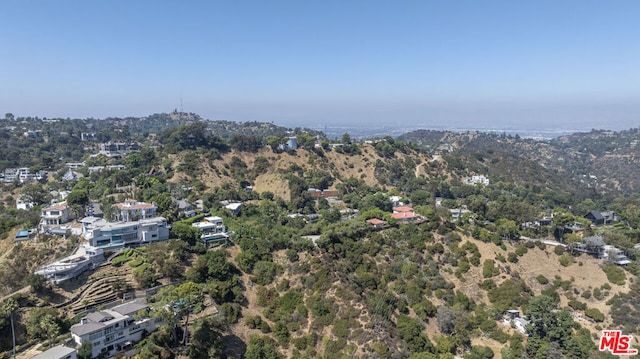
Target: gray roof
x=86 y=328
x=99 y=317
x=129 y=308
x=596 y=215
x=55 y=353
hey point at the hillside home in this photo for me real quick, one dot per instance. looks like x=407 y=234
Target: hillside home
x=56 y=214
x=23 y=204
x=591 y=245
x=71 y=175
x=213 y=232
x=457 y=213
x=85 y=258
x=22 y=175
x=132 y=210
x=234 y=208
x=474 y=180
x=615 y=255
x=118 y=149
x=601 y=218
x=75 y=165
x=57 y=352
x=115 y=330
x=114 y=235
x=325 y=193
x=376 y=223
x=94 y=169
x=396 y=201
x=406 y=214
x=185 y=209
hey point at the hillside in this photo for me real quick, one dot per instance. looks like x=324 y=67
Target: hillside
x=309 y=278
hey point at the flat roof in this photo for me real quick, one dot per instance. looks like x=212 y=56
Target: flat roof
x=54 y=353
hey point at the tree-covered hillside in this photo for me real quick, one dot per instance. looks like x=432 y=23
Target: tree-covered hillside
x=319 y=264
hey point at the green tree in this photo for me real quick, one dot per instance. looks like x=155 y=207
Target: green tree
x=50 y=328
x=262 y=348
x=185 y=232
x=546 y=323
x=410 y=331
x=78 y=201
x=420 y=197
x=85 y=351
x=34 y=192
x=205 y=342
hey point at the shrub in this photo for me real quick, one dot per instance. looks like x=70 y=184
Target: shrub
x=586 y=294
x=136 y=262
x=253 y=322
x=542 y=279
x=594 y=314
x=488 y=284
x=559 y=250
x=615 y=274
x=565 y=260
x=489 y=270
x=597 y=293
x=521 y=250
x=511 y=293
x=120 y=260
x=577 y=305
x=512 y=257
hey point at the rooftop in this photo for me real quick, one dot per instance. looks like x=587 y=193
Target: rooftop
x=59 y=351
x=133 y=204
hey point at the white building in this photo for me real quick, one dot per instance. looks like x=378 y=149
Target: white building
x=473 y=180
x=56 y=214
x=22 y=175
x=57 y=352
x=457 y=213
x=614 y=255
x=114 y=330
x=212 y=231
x=85 y=258
x=132 y=210
x=103 y=234
x=24 y=205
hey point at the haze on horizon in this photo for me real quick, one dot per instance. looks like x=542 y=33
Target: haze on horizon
x=571 y=64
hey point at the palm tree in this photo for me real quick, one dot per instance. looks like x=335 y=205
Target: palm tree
x=50 y=327
x=9 y=308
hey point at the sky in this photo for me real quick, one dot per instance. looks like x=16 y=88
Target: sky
x=498 y=63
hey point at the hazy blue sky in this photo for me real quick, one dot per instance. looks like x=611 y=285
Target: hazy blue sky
x=511 y=62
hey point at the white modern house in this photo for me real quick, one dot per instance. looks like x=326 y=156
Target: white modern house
x=85 y=258
x=615 y=255
x=473 y=180
x=24 y=204
x=115 y=235
x=213 y=231
x=22 y=175
x=114 y=330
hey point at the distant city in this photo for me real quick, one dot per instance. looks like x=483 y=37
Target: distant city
x=360 y=132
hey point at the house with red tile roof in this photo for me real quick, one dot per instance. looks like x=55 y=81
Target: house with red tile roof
x=132 y=210
x=377 y=223
x=406 y=214
x=56 y=214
